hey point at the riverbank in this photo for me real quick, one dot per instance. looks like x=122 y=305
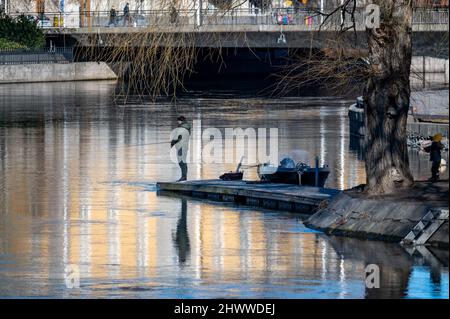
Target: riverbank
x=390 y=217
x=55 y=72
x=77 y=179
x=349 y=213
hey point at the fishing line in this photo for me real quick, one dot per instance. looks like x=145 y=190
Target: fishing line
x=157 y=143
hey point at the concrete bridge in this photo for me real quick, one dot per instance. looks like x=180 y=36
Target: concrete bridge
x=233 y=20
x=238 y=28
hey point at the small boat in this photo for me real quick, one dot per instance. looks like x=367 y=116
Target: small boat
x=288 y=172
x=234 y=176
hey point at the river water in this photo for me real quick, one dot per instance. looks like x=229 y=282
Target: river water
x=80 y=217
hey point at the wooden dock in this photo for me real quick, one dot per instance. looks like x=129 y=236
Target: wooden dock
x=301 y=199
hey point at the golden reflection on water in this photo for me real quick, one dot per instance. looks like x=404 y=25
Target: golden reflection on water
x=81 y=192
x=119 y=231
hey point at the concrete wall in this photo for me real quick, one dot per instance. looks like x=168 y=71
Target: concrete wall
x=432 y=70
x=388 y=218
x=357 y=127
x=82 y=71
x=427 y=106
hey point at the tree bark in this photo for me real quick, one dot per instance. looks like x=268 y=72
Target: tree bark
x=386 y=97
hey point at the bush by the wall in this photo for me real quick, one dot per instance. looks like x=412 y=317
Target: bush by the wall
x=21 y=30
x=10 y=45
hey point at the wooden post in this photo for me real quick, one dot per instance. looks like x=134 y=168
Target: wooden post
x=40 y=10
x=81 y=13
x=85 y=13
x=88 y=12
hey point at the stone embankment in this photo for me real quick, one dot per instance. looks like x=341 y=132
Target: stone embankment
x=56 y=72
x=390 y=218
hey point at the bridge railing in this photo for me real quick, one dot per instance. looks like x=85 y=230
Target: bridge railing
x=36 y=56
x=140 y=18
x=251 y=17
x=430 y=16
x=238 y=16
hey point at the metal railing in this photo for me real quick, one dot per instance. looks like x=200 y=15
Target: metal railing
x=431 y=16
x=36 y=56
x=275 y=16
x=238 y=16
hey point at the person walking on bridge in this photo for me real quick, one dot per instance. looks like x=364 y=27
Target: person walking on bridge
x=126 y=15
x=173 y=15
x=180 y=140
x=112 y=16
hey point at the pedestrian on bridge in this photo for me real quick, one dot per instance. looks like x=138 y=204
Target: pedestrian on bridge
x=126 y=15
x=112 y=16
x=173 y=15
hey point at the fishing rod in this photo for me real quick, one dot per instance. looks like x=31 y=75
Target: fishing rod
x=249 y=166
x=156 y=143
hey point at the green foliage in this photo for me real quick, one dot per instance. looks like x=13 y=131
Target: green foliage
x=21 y=30
x=7 y=44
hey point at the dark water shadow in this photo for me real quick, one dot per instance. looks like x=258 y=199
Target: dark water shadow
x=181 y=237
x=395 y=263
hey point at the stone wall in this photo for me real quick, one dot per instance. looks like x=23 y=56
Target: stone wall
x=80 y=71
x=388 y=217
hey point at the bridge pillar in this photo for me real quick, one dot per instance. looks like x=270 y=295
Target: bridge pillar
x=198 y=13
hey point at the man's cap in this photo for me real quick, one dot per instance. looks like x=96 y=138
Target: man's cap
x=437 y=137
x=181 y=118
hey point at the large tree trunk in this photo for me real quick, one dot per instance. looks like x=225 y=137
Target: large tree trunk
x=387 y=97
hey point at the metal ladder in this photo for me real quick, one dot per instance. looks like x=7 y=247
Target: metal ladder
x=426 y=227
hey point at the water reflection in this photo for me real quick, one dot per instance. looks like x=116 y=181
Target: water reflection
x=76 y=190
x=181 y=239
x=399 y=267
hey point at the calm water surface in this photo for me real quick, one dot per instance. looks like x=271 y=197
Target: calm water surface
x=77 y=190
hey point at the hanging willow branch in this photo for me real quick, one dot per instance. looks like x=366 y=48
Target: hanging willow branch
x=155 y=60
x=341 y=67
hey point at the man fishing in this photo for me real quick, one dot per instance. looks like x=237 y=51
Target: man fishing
x=180 y=139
